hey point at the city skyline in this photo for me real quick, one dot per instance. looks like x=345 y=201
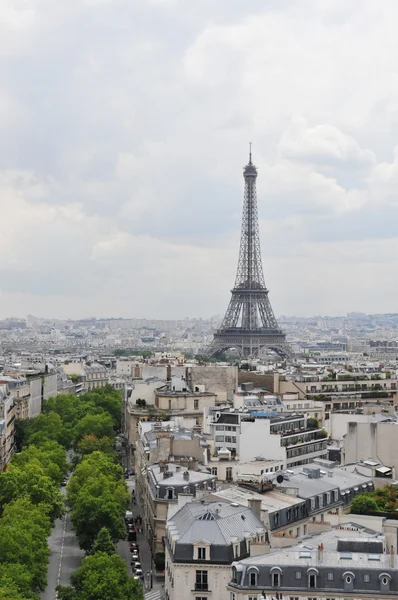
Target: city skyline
x=125 y=127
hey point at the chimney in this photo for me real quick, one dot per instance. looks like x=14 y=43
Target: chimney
x=186 y=475
x=255 y=505
x=168 y=372
x=320 y=553
x=392 y=557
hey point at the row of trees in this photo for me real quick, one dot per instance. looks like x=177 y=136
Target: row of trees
x=30 y=501
x=85 y=423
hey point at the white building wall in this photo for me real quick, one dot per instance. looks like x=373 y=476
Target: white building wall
x=145 y=391
x=35 y=397
x=50 y=386
x=184 y=576
x=255 y=439
x=377 y=441
x=337 y=424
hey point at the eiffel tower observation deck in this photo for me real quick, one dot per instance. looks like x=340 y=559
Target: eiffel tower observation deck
x=249 y=325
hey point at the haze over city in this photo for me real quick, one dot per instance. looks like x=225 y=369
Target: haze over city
x=124 y=130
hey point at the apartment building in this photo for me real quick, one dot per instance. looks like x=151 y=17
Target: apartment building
x=162 y=485
x=202 y=542
x=8 y=411
x=249 y=433
x=341 y=563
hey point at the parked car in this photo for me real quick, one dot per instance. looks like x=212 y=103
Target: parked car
x=134 y=557
x=131 y=536
x=139 y=573
x=137 y=566
x=64 y=482
x=134 y=547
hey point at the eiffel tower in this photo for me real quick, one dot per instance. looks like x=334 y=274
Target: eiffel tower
x=249 y=324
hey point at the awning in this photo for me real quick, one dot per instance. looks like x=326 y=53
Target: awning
x=384 y=470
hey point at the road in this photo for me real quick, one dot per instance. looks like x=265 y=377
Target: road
x=123 y=549
x=65 y=556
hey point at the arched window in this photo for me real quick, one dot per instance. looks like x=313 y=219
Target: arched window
x=312 y=577
x=385 y=582
x=276 y=574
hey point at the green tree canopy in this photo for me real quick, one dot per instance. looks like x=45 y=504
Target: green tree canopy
x=90 y=443
x=101 y=577
x=98 y=425
x=104 y=543
x=363 y=504
x=23 y=533
x=99 y=503
x=31 y=482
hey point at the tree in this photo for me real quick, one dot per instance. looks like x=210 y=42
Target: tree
x=99 y=503
x=104 y=543
x=99 y=425
x=31 y=482
x=363 y=504
x=159 y=561
x=101 y=577
x=23 y=533
x=90 y=443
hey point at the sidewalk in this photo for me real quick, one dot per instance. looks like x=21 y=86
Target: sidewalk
x=123 y=549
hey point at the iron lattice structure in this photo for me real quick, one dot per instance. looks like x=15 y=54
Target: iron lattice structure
x=249 y=324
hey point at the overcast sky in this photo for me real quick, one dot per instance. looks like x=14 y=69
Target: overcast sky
x=124 y=127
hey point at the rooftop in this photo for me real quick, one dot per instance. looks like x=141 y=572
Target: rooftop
x=271 y=501
x=216 y=522
x=177 y=477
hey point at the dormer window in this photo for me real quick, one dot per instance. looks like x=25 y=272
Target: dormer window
x=201 y=553
x=252 y=578
x=236 y=550
x=170 y=493
x=276 y=573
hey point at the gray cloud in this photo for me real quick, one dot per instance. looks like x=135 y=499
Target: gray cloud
x=124 y=128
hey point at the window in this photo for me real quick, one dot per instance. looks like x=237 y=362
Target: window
x=233 y=596
x=204 y=598
x=311 y=580
x=275 y=579
x=348 y=579
x=276 y=519
x=170 y=493
x=299 y=575
x=201 y=553
x=289 y=514
x=236 y=550
x=201 y=582
x=330 y=576
x=196 y=404
x=228 y=473
x=214 y=471
x=366 y=578
x=252 y=579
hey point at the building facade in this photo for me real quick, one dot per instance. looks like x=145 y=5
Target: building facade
x=202 y=542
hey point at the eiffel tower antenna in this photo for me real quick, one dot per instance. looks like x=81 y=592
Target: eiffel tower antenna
x=249 y=325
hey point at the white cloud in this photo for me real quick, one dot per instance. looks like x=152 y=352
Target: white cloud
x=124 y=126
x=322 y=144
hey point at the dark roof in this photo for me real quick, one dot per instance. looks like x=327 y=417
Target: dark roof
x=229 y=418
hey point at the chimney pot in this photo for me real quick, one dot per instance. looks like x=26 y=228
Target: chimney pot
x=186 y=475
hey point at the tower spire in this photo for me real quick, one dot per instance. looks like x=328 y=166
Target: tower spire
x=249 y=324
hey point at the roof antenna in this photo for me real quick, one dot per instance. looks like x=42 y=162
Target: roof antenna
x=250 y=153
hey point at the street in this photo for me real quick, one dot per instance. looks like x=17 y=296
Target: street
x=65 y=556
x=123 y=549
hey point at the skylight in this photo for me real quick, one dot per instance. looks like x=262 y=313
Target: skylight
x=346 y=555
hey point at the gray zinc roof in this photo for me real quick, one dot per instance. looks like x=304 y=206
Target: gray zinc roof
x=217 y=522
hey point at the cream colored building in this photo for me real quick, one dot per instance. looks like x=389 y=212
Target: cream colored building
x=8 y=411
x=202 y=542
